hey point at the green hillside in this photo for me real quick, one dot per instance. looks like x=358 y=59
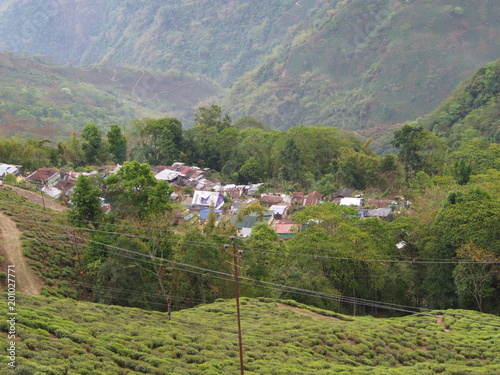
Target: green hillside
x=364 y=64
x=472 y=111
x=41 y=99
x=354 y=64
x=219 y=40
x=51 y=248
x=57 y=336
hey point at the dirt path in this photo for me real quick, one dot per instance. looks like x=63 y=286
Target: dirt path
x=313 y=315
x=27 y=281
x=38 y=199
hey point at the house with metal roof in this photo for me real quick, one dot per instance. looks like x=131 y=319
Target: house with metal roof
x=206 y=199
x=351 y=201
x=45 y=177
x=9 y=168
x=286 y=229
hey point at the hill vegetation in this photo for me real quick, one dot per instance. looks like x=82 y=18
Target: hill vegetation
x=363 y=64
x=40 y=99
x=450 y=187
x=50 y=248
x=353 y=64
x=280 y=337
x=220 y=41
x=472 y=111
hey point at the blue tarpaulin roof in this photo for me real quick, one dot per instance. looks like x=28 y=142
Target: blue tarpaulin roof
x=205 y=211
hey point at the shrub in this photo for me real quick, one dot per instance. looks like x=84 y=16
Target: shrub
x=24 y=370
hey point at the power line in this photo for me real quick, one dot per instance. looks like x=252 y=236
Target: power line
x=285 y=287
x=408 y=260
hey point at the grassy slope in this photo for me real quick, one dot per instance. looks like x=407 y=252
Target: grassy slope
x=220 y=40
x=370 y=63
x=474 y=107
x=41 y=99
x=49 y=247
x=57 y=336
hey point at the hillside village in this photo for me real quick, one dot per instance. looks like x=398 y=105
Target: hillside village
x=199 y=195
x=315 y=184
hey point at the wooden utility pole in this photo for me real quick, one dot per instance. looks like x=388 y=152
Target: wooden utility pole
x=41 y=193
x=236 y=265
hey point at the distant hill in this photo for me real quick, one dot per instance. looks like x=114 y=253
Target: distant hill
x=472 y=110
x=353 y=64
x=39 y=98
x=63 y=336
x=221 y=40
x=367 y=63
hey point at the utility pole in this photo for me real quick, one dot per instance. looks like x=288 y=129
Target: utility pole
x=235 y=264
x=41 y=192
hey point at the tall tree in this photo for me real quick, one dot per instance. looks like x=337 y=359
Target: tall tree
x=291 y=168
x=136 y=191
x=468 y=219
x=117 y=143
x=408 y=140
x=212 y=117
x=93 y=135
x=86 y=203
x=160 y=141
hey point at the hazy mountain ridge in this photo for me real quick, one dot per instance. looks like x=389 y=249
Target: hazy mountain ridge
x=354 y=64
x=370 y=63
x=220 y=40
x=39 y=98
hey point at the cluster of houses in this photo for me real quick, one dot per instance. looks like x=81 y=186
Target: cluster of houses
x=205 y=195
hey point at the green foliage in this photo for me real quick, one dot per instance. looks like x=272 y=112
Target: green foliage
x=365 y=64
x=467 y=219
x=94 y=149
x=409 y=140
x=161 y=141
x=86 y=202
x=463 y=171
x=9 y=179
x=472 y=110
x=117 y=144
x=212 y=118
x=251 y=172
x=279 y=337
x=137 y=192
x=48 y=101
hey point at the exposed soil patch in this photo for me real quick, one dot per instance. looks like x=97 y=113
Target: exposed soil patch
x=38 y=199
x=440 y=320
x=298 y=311
x=27 y=281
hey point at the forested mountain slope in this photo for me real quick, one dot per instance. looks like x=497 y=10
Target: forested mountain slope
x=41 y=99
x=370 y=63
x=221 y=40
x=354 y=64
x=472 y=111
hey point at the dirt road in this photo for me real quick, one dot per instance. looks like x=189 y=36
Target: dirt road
x=27 y=281
x=38 y=199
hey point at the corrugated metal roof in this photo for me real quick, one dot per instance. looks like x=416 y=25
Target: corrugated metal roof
x=315 y=194
x=43 y=174
x=350 y=201
x=8 y=168
x=379 y=212
x=286 y=227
